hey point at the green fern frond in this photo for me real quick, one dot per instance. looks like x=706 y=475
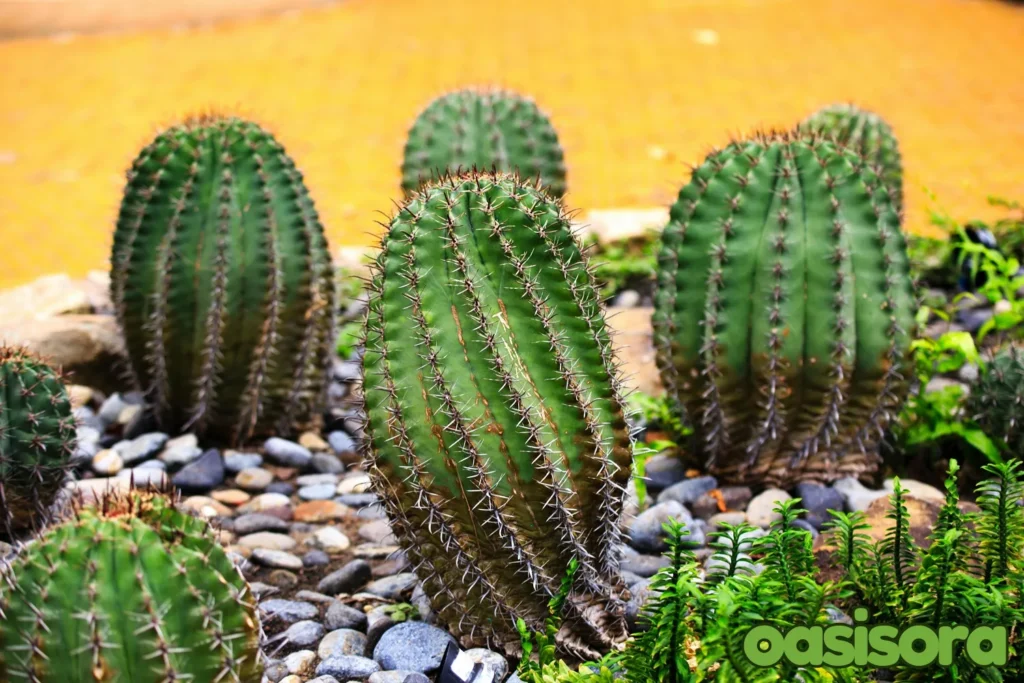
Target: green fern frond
x=787 y=549
x=732 y=546
x=1001 y=522
x=899 y=547
x=853 y=546
x=658 y=655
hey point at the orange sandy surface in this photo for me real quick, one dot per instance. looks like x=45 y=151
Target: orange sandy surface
x=637 y=90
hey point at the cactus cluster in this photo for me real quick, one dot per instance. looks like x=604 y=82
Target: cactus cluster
x=997 y=402
x=222 y=283
x=37 y=439
x=784 y=310
x=496 y=430
x=483 y=129
x=128 y=591
x=869 y=135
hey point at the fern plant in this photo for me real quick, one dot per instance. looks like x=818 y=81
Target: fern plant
x=971 y=574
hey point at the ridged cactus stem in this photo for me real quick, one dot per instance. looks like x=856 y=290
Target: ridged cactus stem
x=37 y=440
x=503 y=442
x=127 y=591
x=806 y=306
x=222 y=283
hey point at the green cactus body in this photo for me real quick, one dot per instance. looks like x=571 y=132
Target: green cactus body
x=997 y=402
x=37 y=439
x=784 y=310
x=497 y=435
x=483 y=129
x=130 y=591
x=869 y=135
x=223 y=283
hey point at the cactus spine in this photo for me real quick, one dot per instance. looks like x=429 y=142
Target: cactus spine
x=129 y=591
x=496 y=431
x=784 y=310
x=483 y=129
x=869 y=135
x=997 y=402
x=37 y=439
x=222 y=282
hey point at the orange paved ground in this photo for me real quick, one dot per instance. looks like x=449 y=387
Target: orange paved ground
x=637 y=89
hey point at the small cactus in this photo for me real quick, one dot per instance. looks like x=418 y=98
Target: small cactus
x=483 y=129
x=784 y=310
x=223 y=284
x=997 y=401
x=869 y=135
x=496 y=430
x=37 y=439
x=128 y=591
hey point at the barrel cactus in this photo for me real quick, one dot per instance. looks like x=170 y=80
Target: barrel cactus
x=128 y=591
x=497 y=438
x=997 y=402
x=784 y=310
x=223 y=283
x=37 y=439
x=483 y=129
x=869 y=135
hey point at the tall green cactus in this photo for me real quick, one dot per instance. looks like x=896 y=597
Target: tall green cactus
x=128 y=591
x=497 y=436
x=223 y=283
x=997 y=401
x=869 y=135
x=784 y=310
x=37 y=439
x=483 y=129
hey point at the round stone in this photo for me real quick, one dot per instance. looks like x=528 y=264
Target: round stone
x=288 y=611
x=315 y=511
x=107 y=462
x=344 y=641
x=235 y=461
x=287 y=453
x=317 y=492
x=268 y=540
x=331 y=540
x=303 y=634
x=205 y=507
x=341 y=616
x=412 y=646
x=313 y=441
x=356 y=483
x=253 y=479
x=350 y=578
x=347 y=667
x=232 y=497
x=276 y=558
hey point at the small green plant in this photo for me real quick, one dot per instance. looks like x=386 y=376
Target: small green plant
x=969 y=574
x=628 y=263
x=1003 y=279
x=349 y=338
x=930 y=418
x=402 y=611
x=997 y=403
x=658 y=414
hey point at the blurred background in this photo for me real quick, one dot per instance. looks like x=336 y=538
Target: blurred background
x=637 y=90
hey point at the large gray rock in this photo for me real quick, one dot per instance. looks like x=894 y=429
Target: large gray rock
x=647 y=535
x=88 y=347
